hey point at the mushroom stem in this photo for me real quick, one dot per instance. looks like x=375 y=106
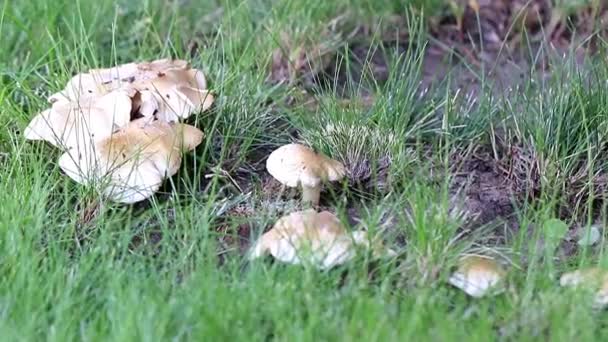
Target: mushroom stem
x=311 y=194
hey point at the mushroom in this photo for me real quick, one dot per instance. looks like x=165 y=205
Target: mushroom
x=593 y=278
x=96 y=82
x=477 y=275
x=296 y=164
x=175 y=94
x=318 y=238
x=153 y=69
x=76 y=125
x=134 y=161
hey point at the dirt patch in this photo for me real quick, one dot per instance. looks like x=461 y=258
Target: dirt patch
x=505 y=42
x=478 y=186
x=147 y=241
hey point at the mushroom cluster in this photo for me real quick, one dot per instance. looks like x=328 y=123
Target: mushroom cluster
x=119 y=127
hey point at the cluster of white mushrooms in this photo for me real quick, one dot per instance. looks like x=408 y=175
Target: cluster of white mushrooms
x=119 y=127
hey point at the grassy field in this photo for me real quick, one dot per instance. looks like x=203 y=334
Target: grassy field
x=438 y=170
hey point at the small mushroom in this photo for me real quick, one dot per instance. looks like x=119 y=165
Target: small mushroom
x=134 y=161
x=477 y=275
x=294 y=165
x=593 y=278
x=318 y=238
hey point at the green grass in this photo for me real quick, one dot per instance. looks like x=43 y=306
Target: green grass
x=173 y=268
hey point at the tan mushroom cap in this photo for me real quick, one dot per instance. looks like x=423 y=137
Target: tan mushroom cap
x=75 y=125
x=592 y=278
x=296 y=164
x=80 y=86
x=100 y=81
x=150 y=70
x=171 y=96
x=477 y=275
x=134 y=161
x=318 y=238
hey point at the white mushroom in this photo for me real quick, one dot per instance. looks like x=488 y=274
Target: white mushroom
x=175 y=94
x=316 y=238
x=296 y=165
x=75 y=125
x=594 y=279
x=477 y=275
x=134 y=161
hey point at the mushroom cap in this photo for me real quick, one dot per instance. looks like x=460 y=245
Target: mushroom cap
x=296 y=164
x=173 y=95
x=120 y=72
x=189 y=136
x=160 y=66
x=137 y=72
x=133 y=162
x=319 y=238
x=199 y=99
x=200 y=81
x=75 y=125
x=80 y=86
x=477 y=275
